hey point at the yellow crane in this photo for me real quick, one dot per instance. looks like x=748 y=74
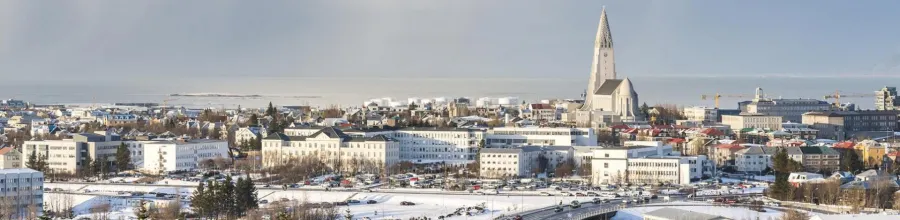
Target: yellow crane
x=717 y=96
x=837 y=96
x=165 y=102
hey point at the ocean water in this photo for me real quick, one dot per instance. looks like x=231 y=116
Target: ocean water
x=353 y=91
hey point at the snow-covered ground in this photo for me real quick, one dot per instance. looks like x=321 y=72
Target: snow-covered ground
x=856 y=217
x=724 y=211
x=388 y=204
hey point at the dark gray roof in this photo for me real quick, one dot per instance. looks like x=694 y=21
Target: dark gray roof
x=673 y=213
x=609 y=86
x=278 y=136
x=378 y=138
x=332 y=132
x=818 y=150
x=757 y=150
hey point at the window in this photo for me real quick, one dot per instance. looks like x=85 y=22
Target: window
x=605 y=165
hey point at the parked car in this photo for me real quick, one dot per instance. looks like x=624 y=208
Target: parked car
x=592 y=194
x=405 y=203
x=263 y=201
x=341 y=203
x=558 y=209
x=576 y=204
x=580 y=194
x=353 y=201
x=546 y=194
x=371 y=202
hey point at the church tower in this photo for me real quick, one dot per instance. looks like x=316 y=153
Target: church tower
x=603 y=66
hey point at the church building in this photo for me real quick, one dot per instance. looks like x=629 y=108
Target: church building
x=607 y=99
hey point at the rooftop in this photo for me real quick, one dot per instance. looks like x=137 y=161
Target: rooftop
x=17 y=171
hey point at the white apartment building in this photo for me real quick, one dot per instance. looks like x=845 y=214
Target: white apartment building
x=668 y=169
x=701 y=113
x=332 y=146
x=136 y=148
x=10 y=158
x=509 y=162
x=754 y=159
x=68 y=155
x=430 y=145
x=22 y=187
x=738 y=122
x=651 y=164
x=540 y=136
x=249 y=133
x=181 y=155
x=887 y=99
x=583 y=154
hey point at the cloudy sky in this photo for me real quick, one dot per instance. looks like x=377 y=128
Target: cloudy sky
x=130 y=41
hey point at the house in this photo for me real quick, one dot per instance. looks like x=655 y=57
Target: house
x=815 y=159
x=10 y=158
x=249 y=133
x=724 y=154
x=754 y=159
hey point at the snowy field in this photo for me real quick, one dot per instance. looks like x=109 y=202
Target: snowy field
x=724 y=211
x=387 y=207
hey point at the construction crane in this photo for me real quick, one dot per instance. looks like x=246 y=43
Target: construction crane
x=717 y=96
x=837 y=96
x=165 y=102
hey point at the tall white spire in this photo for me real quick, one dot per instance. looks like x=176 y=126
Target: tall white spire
x=603 y=66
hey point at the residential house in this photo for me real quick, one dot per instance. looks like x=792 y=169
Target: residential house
x=10 y=158
x=754 y=159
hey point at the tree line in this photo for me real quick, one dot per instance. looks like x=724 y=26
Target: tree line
x=227 y=199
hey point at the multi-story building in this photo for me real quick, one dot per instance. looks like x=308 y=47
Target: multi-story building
x=249 y=133
x=583 y=154
x=509 y=162
x=542 y=112
x=724 y=154
x=23 y=191
x=816 y=159
x=668 y=169
x=431 y=145
x=181 y=155
x=10 y=158
x=789 y=109
x=840 y=125
x=701 y=114
x=739 y=122
x=519 y=136
x=332 y=146
x=70 y=155
x=119 y=119
x=646 y=164
x=886 y=99
x=800 y=131
x=754 y=159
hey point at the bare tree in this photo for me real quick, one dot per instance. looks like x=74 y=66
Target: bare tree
x=100 y=211
x=792 y=214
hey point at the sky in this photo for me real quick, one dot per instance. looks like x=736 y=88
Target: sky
x=144 y=41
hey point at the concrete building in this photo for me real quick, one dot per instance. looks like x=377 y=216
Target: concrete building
x=607 y=98
x=70 y=155
x=702 y=114
x=432 y=145
x=509 y=162
x=583 y=154
x=725 y=154
x=816 y=159
x=519 y=136
x=789 y=109
x=249 y=133
x=886 y=99
x=646 y=164
x=332 y=146
x=23 y=189
x=738 y=122
x=181 y=155
x=841 y=125
x=754 y=159
x=10 y=158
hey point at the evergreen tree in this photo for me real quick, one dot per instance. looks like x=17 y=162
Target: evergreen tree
x=781 y=188
x=645 y=111
x=123 y=158
x=32 y=161
x=226 y=198
x=254 y=120
x=199 y=201
x=87 y=167
x=240 y=201
x=270 y=111
x=850 y=161
x=250 y=194
x=143 y=213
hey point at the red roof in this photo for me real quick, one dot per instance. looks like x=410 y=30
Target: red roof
x=845 y=144
x=631 y=131
x=894 y=154
x=712 y=132
x=5 y=150
x=676 y=140
x=541 y=106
